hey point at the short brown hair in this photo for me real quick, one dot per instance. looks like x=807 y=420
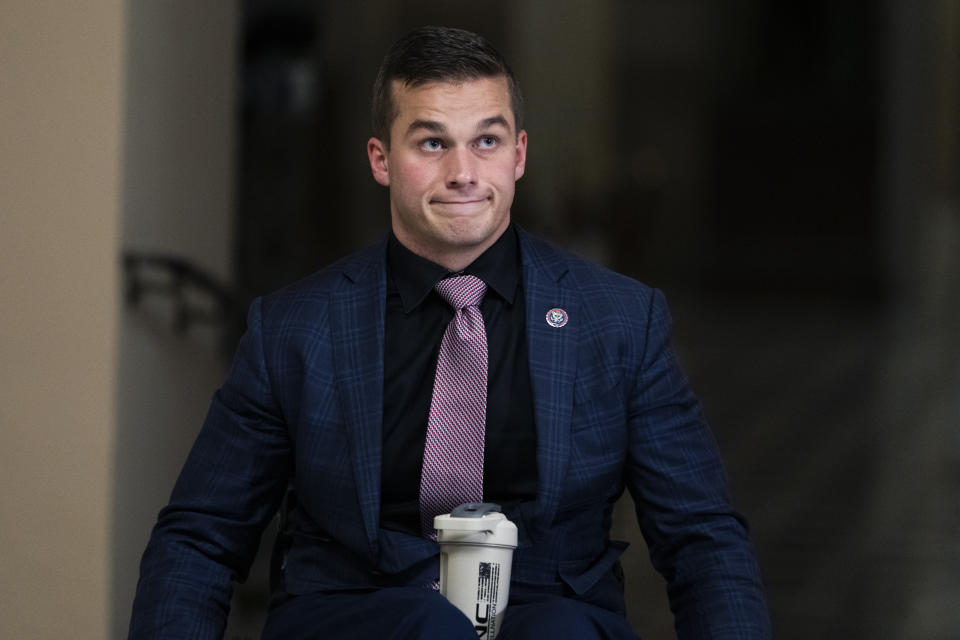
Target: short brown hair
x=443 y=54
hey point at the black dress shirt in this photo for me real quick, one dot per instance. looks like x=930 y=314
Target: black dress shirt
x=416 y=317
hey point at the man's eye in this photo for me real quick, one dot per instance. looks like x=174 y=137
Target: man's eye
x=431 y=145
x=487 y=142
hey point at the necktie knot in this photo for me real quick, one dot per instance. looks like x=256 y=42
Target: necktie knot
x=462 y=291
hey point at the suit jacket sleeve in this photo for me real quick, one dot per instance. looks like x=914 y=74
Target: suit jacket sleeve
x=675 y=475
x=228 y=490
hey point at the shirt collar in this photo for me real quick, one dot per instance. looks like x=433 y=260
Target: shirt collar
x=415 y=276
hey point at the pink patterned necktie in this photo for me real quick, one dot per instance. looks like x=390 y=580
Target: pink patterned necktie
x=453 y=456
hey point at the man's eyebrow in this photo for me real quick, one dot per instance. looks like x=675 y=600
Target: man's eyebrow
x=486 y=123
x=429 y=125
x=439 y=128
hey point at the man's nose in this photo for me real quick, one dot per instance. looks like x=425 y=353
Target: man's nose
x=461 y=167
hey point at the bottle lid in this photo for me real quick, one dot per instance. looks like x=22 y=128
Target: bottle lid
x=476 y=523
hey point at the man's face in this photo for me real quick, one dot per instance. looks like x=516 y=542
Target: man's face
x=453 y=159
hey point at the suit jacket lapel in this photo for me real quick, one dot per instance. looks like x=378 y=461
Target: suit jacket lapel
x=357 y=310
x=553 y=365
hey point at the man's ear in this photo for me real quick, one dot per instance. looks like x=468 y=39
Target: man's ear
x=520 y=161
x=377 y=153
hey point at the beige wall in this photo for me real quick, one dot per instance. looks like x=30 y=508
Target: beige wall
x=60 y=127
x=116 y=131
x=179 y=117
x=181 y=69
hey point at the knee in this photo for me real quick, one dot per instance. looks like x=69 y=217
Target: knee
x=434 y=617
x=561 y=619
x=387 y=614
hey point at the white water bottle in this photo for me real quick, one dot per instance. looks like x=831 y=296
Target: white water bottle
x=476 y=555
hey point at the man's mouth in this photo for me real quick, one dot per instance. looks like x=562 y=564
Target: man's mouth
x=464 y=205
x=458 y=200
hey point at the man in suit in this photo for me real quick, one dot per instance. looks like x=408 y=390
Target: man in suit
x=336 y=388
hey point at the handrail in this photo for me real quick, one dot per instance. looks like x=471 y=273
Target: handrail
x=175 y=277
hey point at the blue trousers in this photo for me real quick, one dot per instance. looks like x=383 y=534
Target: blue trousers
x=407 y=613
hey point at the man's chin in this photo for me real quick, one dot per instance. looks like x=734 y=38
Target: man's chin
x=470 y=231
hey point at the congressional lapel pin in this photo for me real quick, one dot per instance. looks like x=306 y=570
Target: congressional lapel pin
x=557 y=317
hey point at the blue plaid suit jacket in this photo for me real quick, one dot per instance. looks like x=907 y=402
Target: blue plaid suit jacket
x=302 y=404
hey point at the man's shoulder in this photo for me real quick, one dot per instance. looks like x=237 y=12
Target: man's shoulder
x=572 y=269
x=612 y=306
x=360 y=267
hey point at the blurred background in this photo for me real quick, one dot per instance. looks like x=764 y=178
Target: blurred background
x=788 y=173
